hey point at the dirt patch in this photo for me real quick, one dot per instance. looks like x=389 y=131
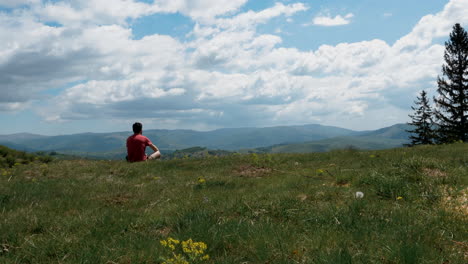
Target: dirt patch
x=302 y=197
x=118 y=200
x=461 y=248
x=341 y=183
x=434 y=172
x=252 y=171
x=164 y=231
x=456 y=202
x=30 y=174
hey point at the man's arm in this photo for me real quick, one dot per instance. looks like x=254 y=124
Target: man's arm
x=156 y=154
x=154 y=147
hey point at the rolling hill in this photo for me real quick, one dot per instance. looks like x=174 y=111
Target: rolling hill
x=385 y=138
x=306 y=138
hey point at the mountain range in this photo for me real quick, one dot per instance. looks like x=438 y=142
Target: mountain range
x=305 y=138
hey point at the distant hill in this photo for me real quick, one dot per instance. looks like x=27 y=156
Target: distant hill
x=228 y=138
x=21 y=136
x=384 y=138
x=274 y=139
x=397 y=131
x=362 y=142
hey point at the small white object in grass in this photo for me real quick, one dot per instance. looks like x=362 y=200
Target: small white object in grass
x=359 y=195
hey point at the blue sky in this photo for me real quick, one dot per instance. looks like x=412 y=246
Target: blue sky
x=100 y=65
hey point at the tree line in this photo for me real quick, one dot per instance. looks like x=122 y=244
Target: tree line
x=446 y=121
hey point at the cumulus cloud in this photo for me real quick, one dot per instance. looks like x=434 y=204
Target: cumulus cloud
x=233 y=42
x=16 y=3
x=225 y=73
x=39 y=57
x=106 y=12
x=329 y=21
x=82 y=12
x=200 y=10
x=435 y=26
x=252 y=19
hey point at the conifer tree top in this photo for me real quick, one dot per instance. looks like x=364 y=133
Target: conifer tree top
x=451 y=113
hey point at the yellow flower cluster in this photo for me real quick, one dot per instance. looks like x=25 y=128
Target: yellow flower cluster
x=196 y=248
x=177 y=259
x=189 y=249
x=201 y=180
x=6 y=172
x=170 y=243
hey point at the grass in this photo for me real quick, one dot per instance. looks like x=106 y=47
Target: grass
x=10 y=158
x=281 y=208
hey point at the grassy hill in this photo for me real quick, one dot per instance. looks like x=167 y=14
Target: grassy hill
x=289 y=139
x=385 y=138
x=397 y=131
x=10 y=157
x=360 y=142
x=109 y=144
x=270 y=208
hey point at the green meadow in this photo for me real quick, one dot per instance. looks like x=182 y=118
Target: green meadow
x=252 y=208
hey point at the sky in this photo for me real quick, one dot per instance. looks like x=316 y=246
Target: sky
x=79 y=66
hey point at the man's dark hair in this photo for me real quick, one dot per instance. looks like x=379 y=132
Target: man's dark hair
x=137 y=127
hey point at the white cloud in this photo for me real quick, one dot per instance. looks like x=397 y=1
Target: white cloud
x=100 y=12
x=16 y=3
x=329 y=21
x=12 y=107
x=233 y=42
x=200 y=10
x=251 y=19
x=225 y=74
x=435 y=26
x=38 y=57
x=107 y=12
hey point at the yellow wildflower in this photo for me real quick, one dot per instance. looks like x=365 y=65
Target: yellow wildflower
x=399 y=198
x=171 y=240
x=190 y=250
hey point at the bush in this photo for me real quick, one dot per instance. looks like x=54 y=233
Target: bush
x=8 y=157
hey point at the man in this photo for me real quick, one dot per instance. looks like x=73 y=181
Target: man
x=137 y=144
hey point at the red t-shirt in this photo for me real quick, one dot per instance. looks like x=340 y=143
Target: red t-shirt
x=136 y=146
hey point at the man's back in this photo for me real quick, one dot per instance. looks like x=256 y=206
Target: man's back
x=136 y=145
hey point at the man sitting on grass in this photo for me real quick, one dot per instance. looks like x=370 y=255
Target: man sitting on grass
x=137 y=144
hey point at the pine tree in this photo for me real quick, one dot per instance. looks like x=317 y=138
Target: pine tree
x=452 y=103
x=422 y=132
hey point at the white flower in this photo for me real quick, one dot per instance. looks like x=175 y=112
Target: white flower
x=359 y=195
